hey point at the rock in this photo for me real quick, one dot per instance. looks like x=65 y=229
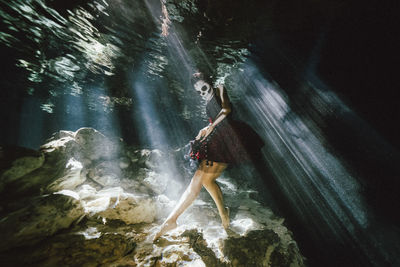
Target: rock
x=57 y=154
x=151 y=159
x=180 y=254
x=83 y=250
x=155 y=182
x=138 y=156
x=71 y=178
x=154 y=160
x=106 y=173
x=141 y=174
x=65 y=147
x=130 y=185
x=256 y=236
x=87 y=192
x=124 y=162
x=107 y=198
x=115 y=204
x=176 y=252
x=60 y=134
x=17 y=162
x=44 y=217
x=106 y=180
x=82 y=246
x=94 y=145
x=261 y=248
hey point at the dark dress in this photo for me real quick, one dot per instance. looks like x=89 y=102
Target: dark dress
x=232 y=141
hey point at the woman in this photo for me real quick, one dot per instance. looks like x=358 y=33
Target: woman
x=224 y=141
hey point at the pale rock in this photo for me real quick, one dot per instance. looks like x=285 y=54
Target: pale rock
x=109 y=167
x=124 y=162
x=156 y=182
x=256 y=237
x=106 y=173
x=69 y=193
x=130 y=185
x=98 y=204
x=106 y=180
x=61 y=134
x=154 y=159
x=56 y=156
x=87 y=192
x=70 y=179
x=65 y=147
x=94 y=145
x=114 y=203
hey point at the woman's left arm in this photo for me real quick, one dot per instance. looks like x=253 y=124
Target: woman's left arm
x=225 y=104
x=225 y=110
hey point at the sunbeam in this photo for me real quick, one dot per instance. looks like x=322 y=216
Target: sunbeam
x=323 y=193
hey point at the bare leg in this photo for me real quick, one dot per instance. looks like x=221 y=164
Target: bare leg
x=190 y=194
x=215 y=191
x=204 y=176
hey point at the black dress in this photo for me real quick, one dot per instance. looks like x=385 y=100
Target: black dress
x=232 y=141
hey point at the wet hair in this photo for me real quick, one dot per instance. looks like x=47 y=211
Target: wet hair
x=198 y=76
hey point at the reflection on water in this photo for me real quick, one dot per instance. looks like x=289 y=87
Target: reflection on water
x=80 y=46
x=59 y=46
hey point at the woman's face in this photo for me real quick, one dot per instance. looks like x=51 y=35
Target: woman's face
x=204 y=89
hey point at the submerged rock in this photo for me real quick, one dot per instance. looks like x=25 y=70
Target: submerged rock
x=42 y=218
x=70 y=179
x=94 y=145
x=83 y=207
x=17 y=162
x=115 y=204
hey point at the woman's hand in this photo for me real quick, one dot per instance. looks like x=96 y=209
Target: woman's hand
x=203 y=133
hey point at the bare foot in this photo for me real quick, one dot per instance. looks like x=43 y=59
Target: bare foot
x=225 y=219
x=165 y=227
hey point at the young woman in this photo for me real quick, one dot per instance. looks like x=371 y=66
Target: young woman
x=223 y=141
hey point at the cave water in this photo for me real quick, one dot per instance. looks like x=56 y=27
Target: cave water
x=97 y=111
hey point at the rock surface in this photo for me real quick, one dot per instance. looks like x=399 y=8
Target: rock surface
x=91 y=201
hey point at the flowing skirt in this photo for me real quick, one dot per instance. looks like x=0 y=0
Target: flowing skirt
x=232 y=142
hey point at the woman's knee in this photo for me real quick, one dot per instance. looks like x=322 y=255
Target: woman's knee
x=209 y=179
x=207 y=182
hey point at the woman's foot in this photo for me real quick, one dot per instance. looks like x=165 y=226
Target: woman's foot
x=225 y=219
x=165 y=227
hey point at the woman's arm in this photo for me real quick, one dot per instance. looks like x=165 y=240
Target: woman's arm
x=225 y=104
x=225 y=110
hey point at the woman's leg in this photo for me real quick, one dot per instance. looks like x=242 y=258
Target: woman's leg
x=202 y=176
x=187 y=198
x=215 y=191
x=190 y=194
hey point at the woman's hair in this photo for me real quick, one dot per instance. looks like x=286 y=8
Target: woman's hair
x=200 y=76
